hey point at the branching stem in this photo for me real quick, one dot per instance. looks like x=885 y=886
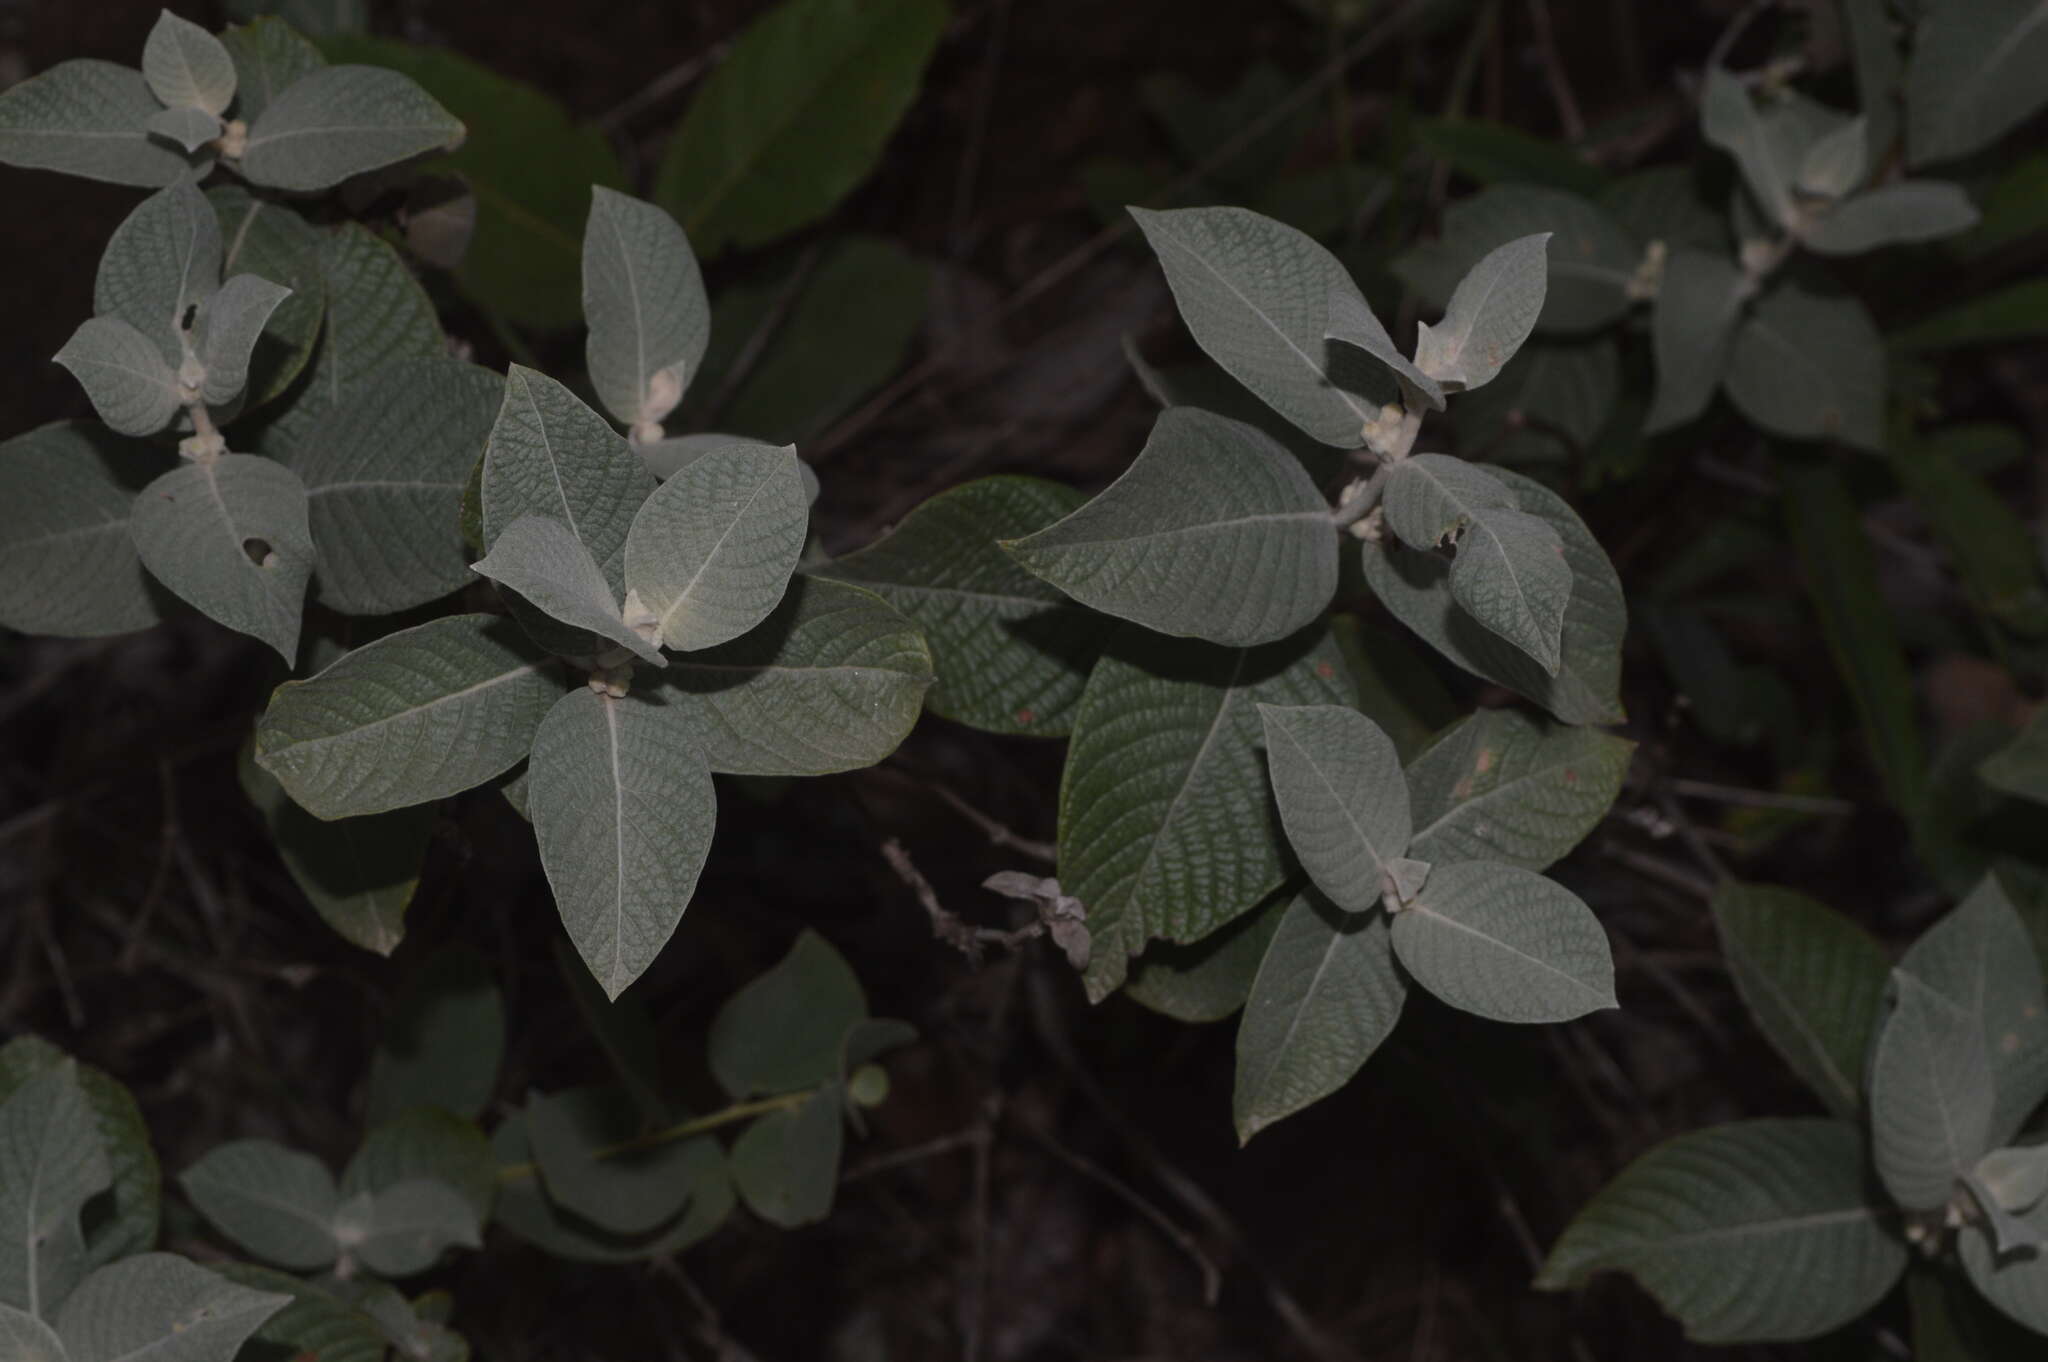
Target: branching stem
x=682 y=1130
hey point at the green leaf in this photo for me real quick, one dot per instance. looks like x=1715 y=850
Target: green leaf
x=1396 y=688
x=1010 y=653
x=274 y=243
x=316 y=1321
x=161 y=262
x=1841 y=579
x=189 y=129
x=1880 y=70
x=1590 y=260
x=430 y=1143
x=1811 y=367
x=86 y=118
x=1980 y=959
x=225 y=332
x=2016 y=1178
x=1500 y=786
x=1974 y=75
x=415 y=716
x=1836 y=163
x=2021 y=766
x=124 y=375
x=1931 y=1095
x=1352 y=321
x=582 y=1139
x=2015 y=312
x=444 y=1042
x=539 y=559
x=623 y=806
x=1342 y=800
x=269 y=58
x=384 y=473
x=549 y=454
x=160 y=1307
x=230 y=537
x=1692 y=331
x=786 y=1164
x=1505 y=943
x=129 y=1225
x=277 y=1203
x=1586 y=687
x=56 y=1161
x=1491 y=152
x=405 y=1228
x=1510 y=573
x=1491 y=313
x=1165 y=828
x=1326 y=995
x=358 y=873
x=2016 y=1283
x=831 y=681
x=1211 y=978
x=1665 y=203
x=340 y=121
x=1813 y=982
x=67 y=561
x=783 y=1031
x=644 y=299
x=1902 y=211
x=524 y=1207
x=711 y=551
x=1214 y=533
x=1550 y=404
x=186 y=67
x=624 y=1030
x=530 y=167
x=24 y=1338
x=1988 y=544
x=1745 y=1232
x=1255 y=294
x=1731 y=122
x=795 y=117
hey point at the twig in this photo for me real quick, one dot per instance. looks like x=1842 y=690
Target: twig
x=977 y=1298
x=1212 y=1276
x=998 y=834
x=1726 y=42
x=682 y=1130
x=1689 y=834
x=1760 y=799
x=1568 y=115
x=977 y=131
x=917 y=1153
x=1661 y=870
x=749 y=354
x=677 y=78
x=947 y=926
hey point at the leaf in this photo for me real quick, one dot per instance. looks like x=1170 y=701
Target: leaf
x=130 y=386
x=24 y=1338
x=87 y=118
x=277 y=1203
x=1165 y=828
x=1586 y=686
x=405 y=1228
x=1665 y=203
x=1549 y=403
x=1810 y=367
x=1490 y=152
x=531 y=168
x=384 y=474
x=2015 y=1283
x=226 y=330
x=1491 y=313
x=582 y=1139
x=1692 y=331
x=230 y=537
x=1812 y=981
x=1214 y=532
x=1973 y=76
x=786 y=1164
x=1836 y=163
x=340 y=121
x=1351 y=321
x=67 y=562
x=1980 y=959
x=1326 y=995
x=2020 y=767
x=1500 y=786
x=444 y=1042
x=54 y=1161
x=1732 y=123
x=783 y=1031
x=1396 y=689
x=2011 y=313
x=1902 y=211
x=274 y=243
x=1750 y=1231
x=269 y=58
x=1510 y=572
x=711 y=551
x=623 y=806
x=831 y=681
x=186 y=67
x=1256 y=294
x=623 y=1028
x=188 y=129
x=129 y=1224
x=1342 y=800
x=418 y=715
x=1210 y=979
x=1590 y=259
x=1010 y=652
x=1931 y=1096
x=1841 y=574
x=2016 y=1178
x=524 y=1208
x=160 y=1307
x=163 y=261
x=795 y=117
x=549 y=454
x=1880 y=70
x=540 y=559
x=426 y=1142
x=316 y=1321
x=1505 y=943
x=644 y=299
x=358 y=873
x=1988 y=544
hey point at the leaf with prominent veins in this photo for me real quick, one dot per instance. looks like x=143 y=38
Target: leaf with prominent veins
x=540 y=559
x=1342 y=797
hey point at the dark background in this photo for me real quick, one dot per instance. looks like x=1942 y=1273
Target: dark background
x=1012 y=1190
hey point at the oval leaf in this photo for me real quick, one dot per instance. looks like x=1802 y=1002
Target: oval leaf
x=549 y=454
x=1500 y=786
x=277 y=1203
x=88 y=118
x=784 y=1030
x=186 y=66
x=1931 y=1095
x=123 y=374
x=643 y=297
x=1975 y=73
x=160 y=1307
x=340 y=121
x=67 y=561
x=55 y=1162
x=1692 y=333
x=230 y=536
x=1505 y=943
x=1342 y=799
x=539 y=559
x=786 y=1164
x=1811 y=367
x=1492 y=312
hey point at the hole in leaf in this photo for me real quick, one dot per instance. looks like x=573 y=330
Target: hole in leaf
x=191 y=315
x=259 y=552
